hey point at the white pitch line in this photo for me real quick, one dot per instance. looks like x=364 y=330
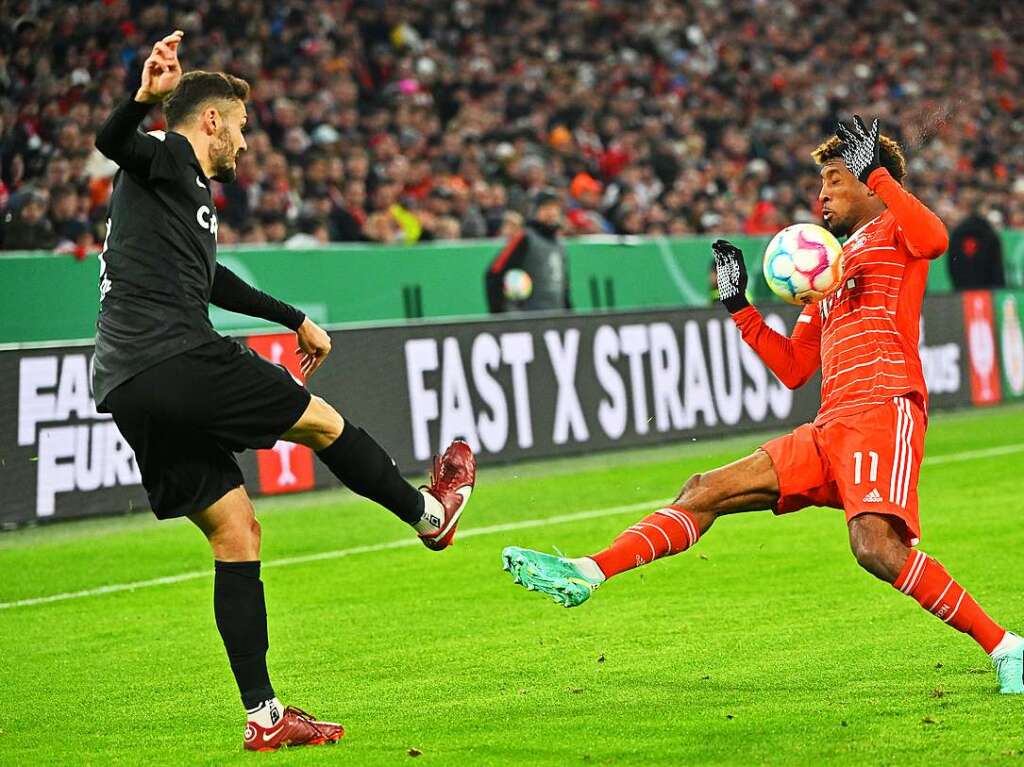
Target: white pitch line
x=336 y=554
x=968 y=455
x=113 y=588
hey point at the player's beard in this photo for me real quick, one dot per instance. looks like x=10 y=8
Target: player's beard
x=838 y=228
x=222 y=157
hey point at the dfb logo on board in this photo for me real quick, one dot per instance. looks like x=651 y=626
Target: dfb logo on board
x=77 y=447
x=286 y=467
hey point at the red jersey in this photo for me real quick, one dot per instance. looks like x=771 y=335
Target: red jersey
x=864 y=336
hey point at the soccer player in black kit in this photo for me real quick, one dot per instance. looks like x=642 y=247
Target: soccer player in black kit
x=187 y=398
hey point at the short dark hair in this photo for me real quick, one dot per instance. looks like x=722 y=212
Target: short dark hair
x=889 y=153
x=62 y=191
x=197 y=88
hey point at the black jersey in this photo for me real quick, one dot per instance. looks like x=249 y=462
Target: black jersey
x=159 y=259
x=158 y=269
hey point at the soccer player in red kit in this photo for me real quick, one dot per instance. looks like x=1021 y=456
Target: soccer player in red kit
x=863 y=451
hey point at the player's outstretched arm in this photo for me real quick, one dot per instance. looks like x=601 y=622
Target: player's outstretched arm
x=233 y=293
x=923 y=231
x=794 y=359
x=119 y=138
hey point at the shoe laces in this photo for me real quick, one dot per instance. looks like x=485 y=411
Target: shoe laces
x=565 y=562
x=441 y=480
x=1005 y=660
x=307 y=718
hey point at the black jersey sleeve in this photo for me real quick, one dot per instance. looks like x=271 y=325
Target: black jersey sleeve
x=231 y=292
x=120 y=139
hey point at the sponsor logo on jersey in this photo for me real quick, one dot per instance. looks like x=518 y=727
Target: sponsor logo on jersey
x=207 y=219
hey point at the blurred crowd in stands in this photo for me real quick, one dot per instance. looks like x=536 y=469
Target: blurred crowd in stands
x=442 y=119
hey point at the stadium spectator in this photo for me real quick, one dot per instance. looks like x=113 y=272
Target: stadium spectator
x=538 y=251
x=691 y=118
x=584 y=215
x=26 y=226
x=511 y=225
x=975 y=253
x=313 y=233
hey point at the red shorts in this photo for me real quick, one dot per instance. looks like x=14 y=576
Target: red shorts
x=866 y=463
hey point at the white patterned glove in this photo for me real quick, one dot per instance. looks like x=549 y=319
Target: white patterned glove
x=731 y=274
x=860 y=147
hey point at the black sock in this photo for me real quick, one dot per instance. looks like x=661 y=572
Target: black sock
x=365 y=468
x=241 y=616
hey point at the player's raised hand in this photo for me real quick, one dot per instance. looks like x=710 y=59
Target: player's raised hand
x=314 y=346
x=860 y=148
x=731 y=274
x=162 y=70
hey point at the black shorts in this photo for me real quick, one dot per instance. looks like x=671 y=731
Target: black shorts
x=186 y=416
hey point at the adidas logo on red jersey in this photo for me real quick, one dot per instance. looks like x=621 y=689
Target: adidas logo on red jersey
x=873 y=497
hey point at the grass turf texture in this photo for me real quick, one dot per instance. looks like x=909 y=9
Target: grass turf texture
x=764 y=644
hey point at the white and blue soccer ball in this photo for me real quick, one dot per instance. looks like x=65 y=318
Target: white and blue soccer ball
x=518 y=285
x=803 y=263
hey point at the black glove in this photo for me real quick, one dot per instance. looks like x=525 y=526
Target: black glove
x=860 y=147
x=732 y=275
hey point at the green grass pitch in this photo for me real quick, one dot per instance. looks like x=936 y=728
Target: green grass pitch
x=764 y=645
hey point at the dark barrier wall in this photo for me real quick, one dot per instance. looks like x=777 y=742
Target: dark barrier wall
x=518 y=388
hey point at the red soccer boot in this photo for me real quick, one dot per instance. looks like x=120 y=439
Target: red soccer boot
x=451 y=483
x=296 y=728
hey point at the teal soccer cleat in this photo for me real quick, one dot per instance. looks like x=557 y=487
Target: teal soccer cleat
x=1010 y=669
x=555 y=576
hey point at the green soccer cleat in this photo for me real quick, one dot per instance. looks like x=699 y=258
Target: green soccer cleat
x=555 y=576
x=1010 y=669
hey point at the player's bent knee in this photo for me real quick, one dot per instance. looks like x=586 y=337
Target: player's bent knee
x=877 y=546
x=236 y=535
x=237 y=543
x=329 y=424
x=867 y=555
x=319 y=426
x=876 y=556
x=690 y=486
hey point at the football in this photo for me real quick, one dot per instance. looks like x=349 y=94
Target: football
x=518 y=285
x=803 y=263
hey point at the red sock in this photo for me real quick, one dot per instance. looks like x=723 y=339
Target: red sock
x=665 y=532
x=928 y=582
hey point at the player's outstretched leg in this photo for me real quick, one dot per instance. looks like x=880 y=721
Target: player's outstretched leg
x=241 y=613
x=880 y=550
x=362 y=465
x=749 y=484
